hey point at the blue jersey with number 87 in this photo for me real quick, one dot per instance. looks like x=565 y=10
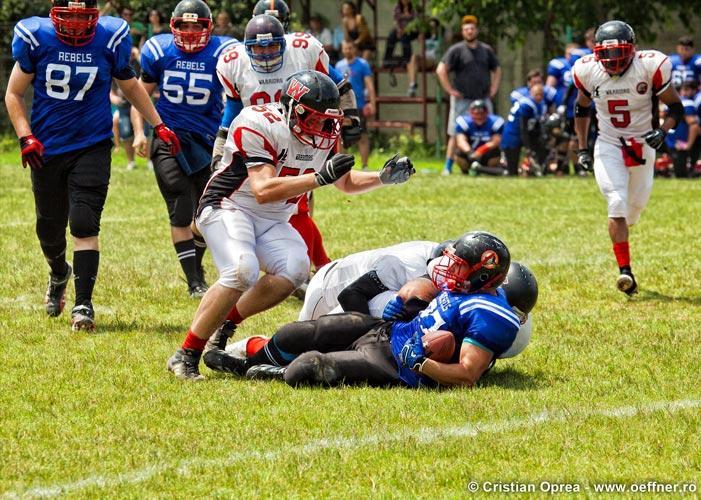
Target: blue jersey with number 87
x=71 y=106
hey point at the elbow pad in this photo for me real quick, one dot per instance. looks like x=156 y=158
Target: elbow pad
x=355 y=296
x=676 y=112
x=582 y=111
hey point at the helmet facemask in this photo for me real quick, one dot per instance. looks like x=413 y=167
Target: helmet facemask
x=456 y=275
x=320 y=130
x=614 y=55
x=75 y=24
x=268 y=61
x=191 y=40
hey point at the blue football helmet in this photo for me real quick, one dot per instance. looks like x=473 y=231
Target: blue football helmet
x=263 y=32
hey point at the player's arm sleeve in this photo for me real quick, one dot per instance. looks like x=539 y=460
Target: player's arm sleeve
x=554 y=68
x=335 y=75
x=490 y=330
x=355 y=296
x=662 y=74
x=525 y=115
x=254 y=145
x=460 y=125
x=498 y=127
x=120 y=45
x=232 y=108
x=24 y=45
x=322 y=64
x=579 y=81
x=149 y=66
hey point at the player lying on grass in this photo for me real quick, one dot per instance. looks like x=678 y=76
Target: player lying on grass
x=356 y=348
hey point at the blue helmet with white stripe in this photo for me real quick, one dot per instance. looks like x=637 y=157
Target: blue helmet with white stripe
x=476 y=261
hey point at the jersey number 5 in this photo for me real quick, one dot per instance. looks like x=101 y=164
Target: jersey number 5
x=175 y=92
x=620 y=116
x=293 y=172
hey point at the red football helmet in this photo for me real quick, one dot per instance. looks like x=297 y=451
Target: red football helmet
x=187 y=14
x=75 y=22
x=615 y=46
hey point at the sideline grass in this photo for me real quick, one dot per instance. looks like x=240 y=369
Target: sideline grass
x=102 y=406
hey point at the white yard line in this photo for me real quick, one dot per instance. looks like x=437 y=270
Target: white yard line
x=428 y=435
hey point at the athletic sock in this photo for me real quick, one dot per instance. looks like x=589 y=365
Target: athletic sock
x=55 y=256
x=234 y=315
x=622 y=252
x=188 y=259
x=449 y=164
x=200 y=249
x=193 y=342
x=270 y=354
x=85 y=265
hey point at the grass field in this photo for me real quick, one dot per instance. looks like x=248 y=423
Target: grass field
x=608 y=391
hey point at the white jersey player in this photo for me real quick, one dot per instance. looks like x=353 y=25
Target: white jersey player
x=372 y=276
x=273 y=155
x=624 y=85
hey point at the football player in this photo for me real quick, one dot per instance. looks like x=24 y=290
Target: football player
x=477 y=140
x=70 y=59
x=182 y=66
x=274 y=154
x=357 y=348
x=523 y=128
x=686 y=66
x=623 y=83
x=276 y=8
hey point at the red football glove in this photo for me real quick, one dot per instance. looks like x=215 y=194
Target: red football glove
x=32 y=152
x=168 y=136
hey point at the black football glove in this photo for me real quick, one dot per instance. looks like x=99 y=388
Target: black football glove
x=335 y=168
x=396 y=170
x=585 y=160
x=655 y=138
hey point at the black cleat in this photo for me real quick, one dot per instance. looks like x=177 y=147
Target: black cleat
x=301 y=292
x=626 y=283
x=83 y=318
x=221 y=361
x=220 y=337
x=55 y=298
x=266 y=372
x=197 y=289
x=185 y=364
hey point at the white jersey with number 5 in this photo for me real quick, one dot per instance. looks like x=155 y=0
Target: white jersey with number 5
x=241 y=81
x=624 y=103
x=259 y=135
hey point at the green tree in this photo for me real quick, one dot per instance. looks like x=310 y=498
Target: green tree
x=513 y=20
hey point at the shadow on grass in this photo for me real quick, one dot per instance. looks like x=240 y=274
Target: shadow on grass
x=510 y=378
x=650 y=295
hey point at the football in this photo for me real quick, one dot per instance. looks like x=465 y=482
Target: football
x=439 y=345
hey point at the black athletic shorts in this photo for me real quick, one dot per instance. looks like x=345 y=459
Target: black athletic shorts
x=180 y=191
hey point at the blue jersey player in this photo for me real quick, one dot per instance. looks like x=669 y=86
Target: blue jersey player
x=182 y=65
x=477 y=139
x=355 y=348
x=523 y=127
x=70 y=59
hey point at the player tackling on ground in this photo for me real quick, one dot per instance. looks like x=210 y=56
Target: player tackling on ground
x=273 y=155
x=70 y=59
x=624 y=85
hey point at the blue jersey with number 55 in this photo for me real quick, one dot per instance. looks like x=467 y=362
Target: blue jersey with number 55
x=191 y=94
x=71 y=106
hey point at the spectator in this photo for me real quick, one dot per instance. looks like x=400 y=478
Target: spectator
x=523 y=129
x=403 y=14
x=323 y=34
x=427 y=62
x=137 y=29
x=534 y=77
x=684 y=141
x=475 y=75
x=223 y=26
x=686 y=66
x=357 y=71
x=356 y=30
x=477 y=139
x=156 y=24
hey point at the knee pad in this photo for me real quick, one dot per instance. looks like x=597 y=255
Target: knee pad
x=241 y=276
x=181 y=210
x=313 y=368
x=84 y=222
x=50 y=231
x=297 y=270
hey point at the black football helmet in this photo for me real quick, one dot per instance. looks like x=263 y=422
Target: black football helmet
x=614 y=46
x=477 y=260
x=521 y=290
x=265 y=31
x=276 y=8
x=311 y=103
x=186 y=14
x=75 y=23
